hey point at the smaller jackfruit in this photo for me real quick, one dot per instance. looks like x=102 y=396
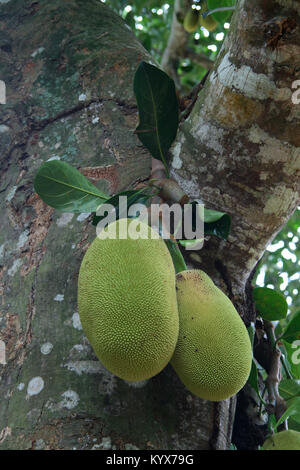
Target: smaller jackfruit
x=191 y=20
x=213 y=355
x=284 y=440
x=208 y=23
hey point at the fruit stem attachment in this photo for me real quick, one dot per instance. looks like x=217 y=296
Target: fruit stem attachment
x=178 y=260
x=216 y=10
x=277 y=404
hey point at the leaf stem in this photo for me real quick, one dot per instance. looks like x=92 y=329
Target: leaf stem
x=178 y=260
x=277 y=404
x=216 y=10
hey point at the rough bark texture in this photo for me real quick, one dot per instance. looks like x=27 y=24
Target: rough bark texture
x=239 y=149
x=69 y=70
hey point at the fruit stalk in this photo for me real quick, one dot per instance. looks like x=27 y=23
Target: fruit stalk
x=277 y=404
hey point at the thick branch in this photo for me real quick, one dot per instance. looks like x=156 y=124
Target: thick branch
x=198 y=58
x=239 y=149
x=177 y=41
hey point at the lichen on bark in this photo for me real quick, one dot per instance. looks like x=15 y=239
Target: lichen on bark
x=69 y=71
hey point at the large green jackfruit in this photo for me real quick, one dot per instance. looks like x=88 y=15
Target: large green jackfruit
x=213 y=355
x=284 y=440
x=127 y=302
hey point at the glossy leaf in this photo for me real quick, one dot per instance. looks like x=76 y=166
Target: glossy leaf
x=289 y=388
x=251 y=333
x=292 y=330
x=215 y=222
x=197 y=243
x=220 y=226
x=293 y=409
x=294 y=425
x=293 y=357
x=63 y=187
x=158 y=110
x=133 y=197
x=253 y=379
x=221 y=16
x=270 y=304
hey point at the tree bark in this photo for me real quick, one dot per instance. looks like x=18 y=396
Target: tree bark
x=69 y=71
x=239 y=149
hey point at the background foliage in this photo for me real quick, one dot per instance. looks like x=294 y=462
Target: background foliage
x=151 y=22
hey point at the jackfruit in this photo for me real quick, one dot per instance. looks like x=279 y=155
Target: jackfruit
x=284 y=440
x=208 y=23
x=213 y=355
x=127 y=301
x=191 y=19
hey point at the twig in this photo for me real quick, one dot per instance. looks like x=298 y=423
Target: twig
x=177 y=41
x=215 y=10
x=199 y=58
x=277 y=404
x=192 y=98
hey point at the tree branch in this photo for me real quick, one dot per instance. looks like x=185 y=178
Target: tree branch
x=277 y=404
x=177 y=40
x=199 y=58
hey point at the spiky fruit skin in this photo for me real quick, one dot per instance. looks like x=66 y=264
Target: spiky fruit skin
x=191 y=19
x=284 y=440
x=127 y=303
x=213 y=355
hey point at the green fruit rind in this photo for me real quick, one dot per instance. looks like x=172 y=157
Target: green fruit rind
x=127 y=302
x=213 y=355
x=284 y=440
x=208 y=23
x=191 y=20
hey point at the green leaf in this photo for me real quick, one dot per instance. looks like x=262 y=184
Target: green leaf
x=253 y=379
x=129 y=19
x=190 y=243
x=158 y=110
x=146 y=41
x=294 y=425
x=292 y=330
x=251 y=333
x=133 y=197
x=215 y=222
x=220 y=226
x=221 y=16
x=293 y=409
x=293 y=357
x=289 y=388
x=63 y=187
x=270 y=304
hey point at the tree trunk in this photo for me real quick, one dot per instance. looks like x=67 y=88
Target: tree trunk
x=69 y=69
